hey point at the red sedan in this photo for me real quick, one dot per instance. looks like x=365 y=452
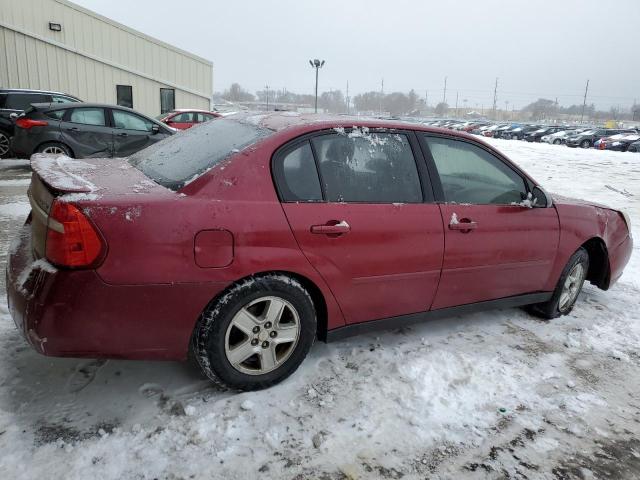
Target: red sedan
x=244 y=240
x=182 y=119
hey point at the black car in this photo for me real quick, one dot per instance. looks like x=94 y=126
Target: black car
x=634 y=147
x=520 y=132
x=587 y=138
x=13 y=102
x=536 y=135
x=85 y=130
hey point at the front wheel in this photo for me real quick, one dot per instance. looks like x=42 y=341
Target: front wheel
x=557 y=141
x=585 y=144
x=568 y=288
x=256 y=334
x=4 y=144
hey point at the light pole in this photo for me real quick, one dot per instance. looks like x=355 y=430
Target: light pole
x=267 y=89
x=317 y=64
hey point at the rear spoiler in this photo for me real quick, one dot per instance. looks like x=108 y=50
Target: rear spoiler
x=63 y=173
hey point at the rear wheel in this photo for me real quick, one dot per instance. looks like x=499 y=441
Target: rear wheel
x=4 y=144
x=585 y=144
x=568 y=288
x=557 y=141
x=55 y=148
x=256 y=334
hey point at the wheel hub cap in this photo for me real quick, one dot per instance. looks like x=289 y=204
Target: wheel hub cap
x=262 y=335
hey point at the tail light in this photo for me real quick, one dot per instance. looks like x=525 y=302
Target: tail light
x=27 y=123
x=72 y=240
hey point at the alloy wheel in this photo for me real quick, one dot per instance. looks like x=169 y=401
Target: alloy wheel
x=4 y=144
x=571 y=287
x=262 y=335
x=54 y=150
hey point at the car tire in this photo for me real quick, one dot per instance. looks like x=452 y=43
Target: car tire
x=585 y=144
x=568 y=288
x=55 y=148
x=5 y=144
x=237 y=341
x=557 y=141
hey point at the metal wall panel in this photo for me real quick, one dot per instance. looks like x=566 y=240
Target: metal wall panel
x=92 y=54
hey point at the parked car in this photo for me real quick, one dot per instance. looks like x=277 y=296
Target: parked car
x=622 y=143
x=588 y=138
x=634 y=147
x=536 y=135
x=85 y=130
x=14 y=102
x=224 y=241
x=182 y=119
x=520 y=132
x=500 y=130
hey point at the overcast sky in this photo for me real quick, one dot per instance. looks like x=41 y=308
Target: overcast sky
x=536 y=48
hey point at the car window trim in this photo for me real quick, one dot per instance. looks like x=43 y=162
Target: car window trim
x=431 y=164
x=277 y=173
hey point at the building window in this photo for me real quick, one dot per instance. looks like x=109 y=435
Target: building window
x=124 y=94
x=167 y=100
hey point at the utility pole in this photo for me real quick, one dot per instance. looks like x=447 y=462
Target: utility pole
x=495 y=98
x=444 y=95
x=267 y=89
x=317 y=64
x=456 y=104
x=426 y=99
x=381 y=94
x=347 y=97
x=584 y=102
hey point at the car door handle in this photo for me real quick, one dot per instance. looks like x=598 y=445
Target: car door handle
x=73 y=129
x=463 y=224
x=331 y=228
x=123 y=134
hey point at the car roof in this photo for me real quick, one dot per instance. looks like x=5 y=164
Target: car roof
x=277 y=121
x=63 y=106
x=27 y=90
x=183 y=110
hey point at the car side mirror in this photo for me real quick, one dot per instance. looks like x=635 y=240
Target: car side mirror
x=155 y=129
x=540 y=199
x=13 y=116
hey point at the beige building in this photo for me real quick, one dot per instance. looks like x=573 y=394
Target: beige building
x=60 y=46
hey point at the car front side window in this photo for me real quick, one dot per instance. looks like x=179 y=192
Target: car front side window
x=130 y=121
x=470 y=174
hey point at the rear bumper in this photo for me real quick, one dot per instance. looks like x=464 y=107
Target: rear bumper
x=73 y=313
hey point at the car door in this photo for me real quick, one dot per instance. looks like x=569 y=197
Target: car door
x=367 y=222
x=133 y=132
x=495 y=245
x=87 y=132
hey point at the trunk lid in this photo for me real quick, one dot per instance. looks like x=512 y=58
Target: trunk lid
x=88 y=182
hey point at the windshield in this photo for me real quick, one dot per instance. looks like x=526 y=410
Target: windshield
x=183 y=157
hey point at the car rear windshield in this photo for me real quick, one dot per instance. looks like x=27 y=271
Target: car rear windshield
x=183 y=157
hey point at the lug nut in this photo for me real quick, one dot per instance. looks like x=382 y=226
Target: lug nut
x=254 y=342
x=265 y=344
x=256 y=329
x=273 y=334
x=267 y=325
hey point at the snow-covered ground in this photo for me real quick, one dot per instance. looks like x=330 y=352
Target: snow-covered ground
x=489 y=395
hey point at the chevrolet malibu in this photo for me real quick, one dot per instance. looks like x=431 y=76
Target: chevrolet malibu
x=241 y=241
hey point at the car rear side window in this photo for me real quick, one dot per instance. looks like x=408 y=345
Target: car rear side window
x=183 y=157
x=368 y=167
x=298 y=175
x=470 y=174
x=88 y=116
x=22 y=101
x=186 y=117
